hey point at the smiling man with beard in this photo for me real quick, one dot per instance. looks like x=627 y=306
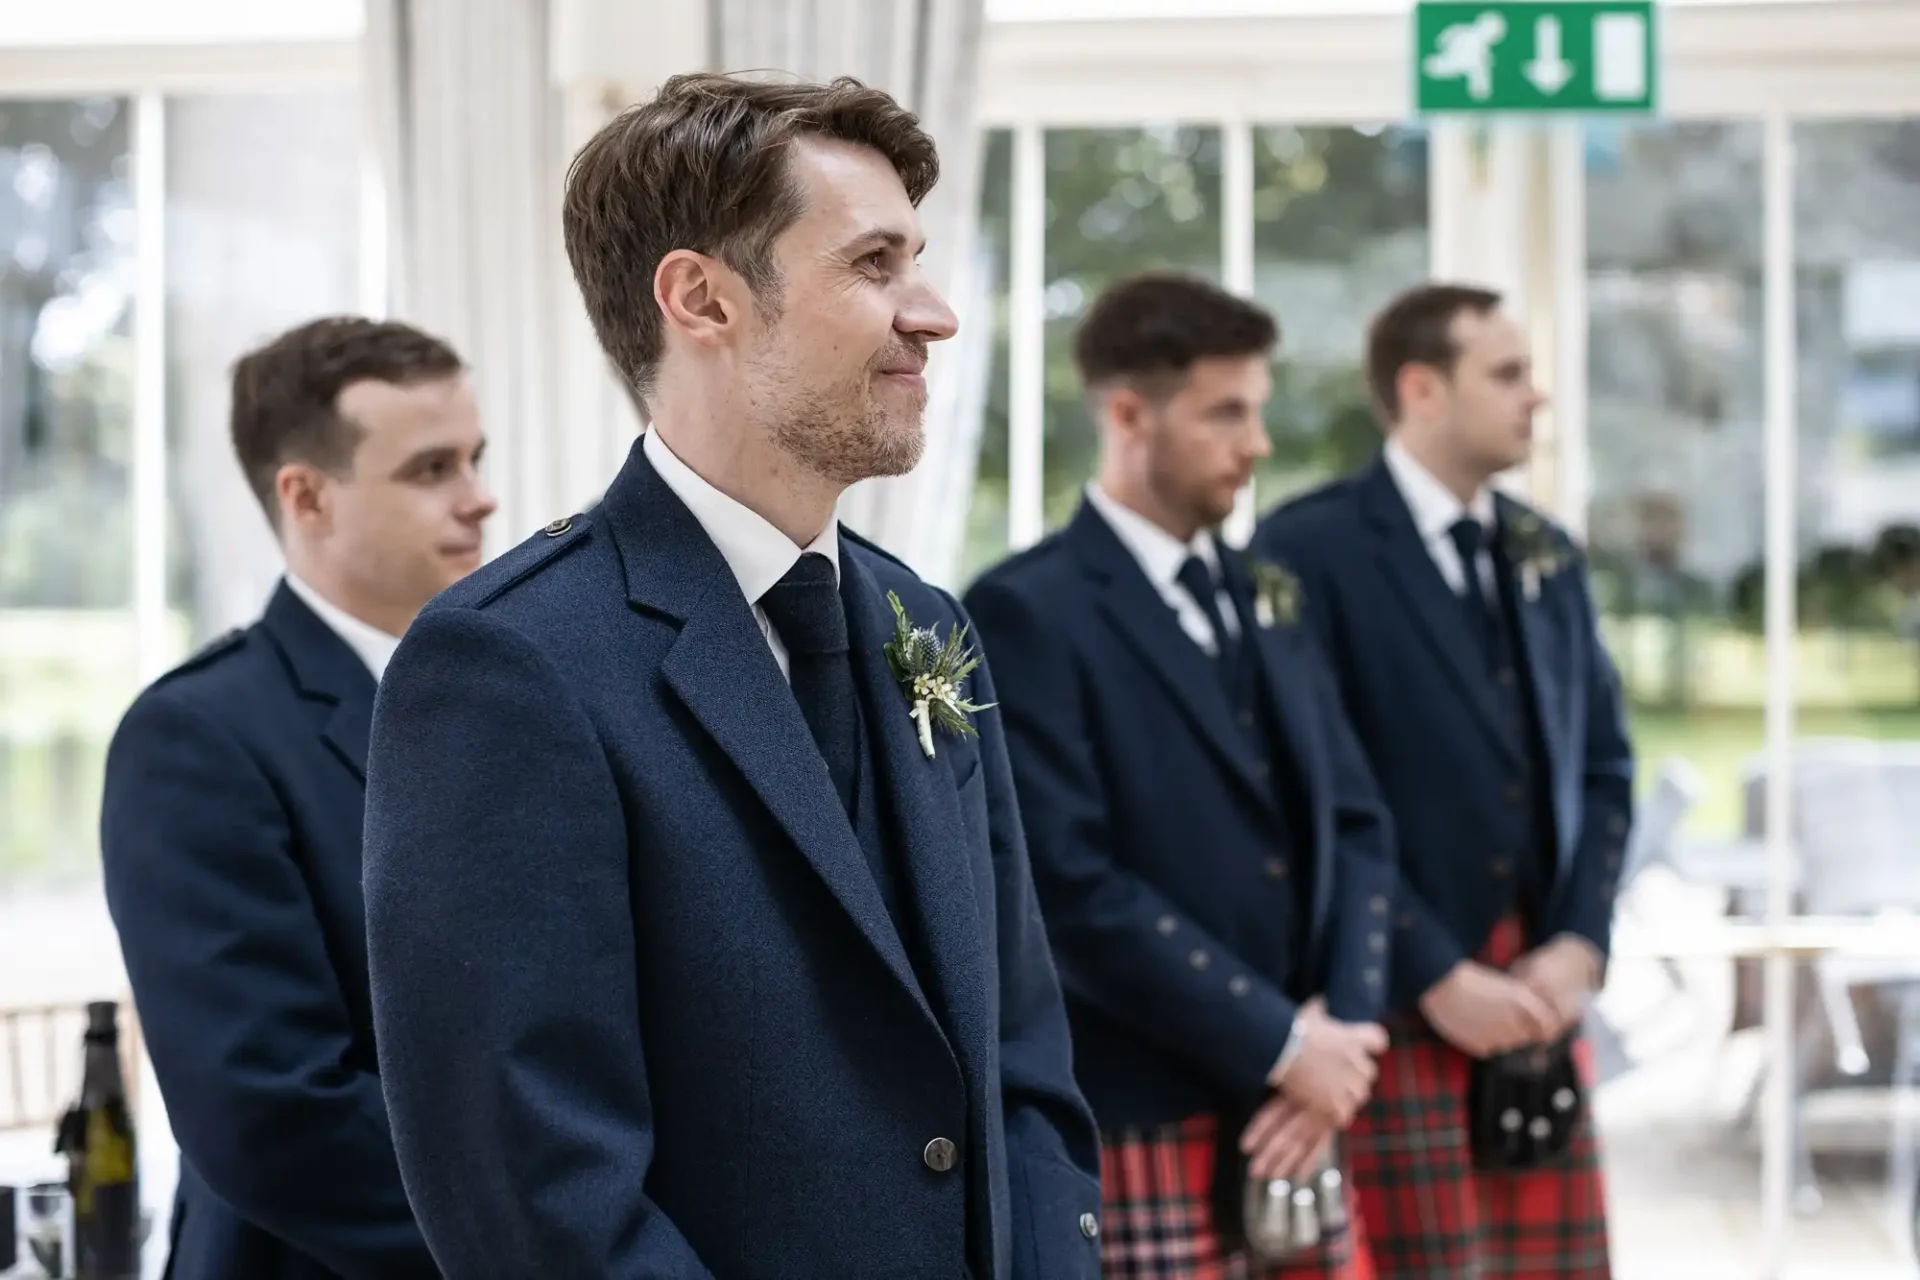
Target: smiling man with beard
x=1214 y=861
x=695 y=951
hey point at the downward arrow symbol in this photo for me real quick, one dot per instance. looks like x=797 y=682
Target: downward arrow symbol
x=1548 y=70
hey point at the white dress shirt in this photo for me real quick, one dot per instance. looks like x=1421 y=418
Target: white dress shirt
x=374 y=646
x=758 y=553
x=1160 y=556
x=1435 y=509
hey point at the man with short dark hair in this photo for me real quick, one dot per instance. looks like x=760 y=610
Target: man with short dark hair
x=235 y=790
x=702 y=934
x=1212 y=856
x=1463 y=631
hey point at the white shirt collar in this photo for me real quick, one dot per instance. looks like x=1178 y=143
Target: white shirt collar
x=1160 y=553
x=1435 y=507
x=374 y=646
x=758 y=553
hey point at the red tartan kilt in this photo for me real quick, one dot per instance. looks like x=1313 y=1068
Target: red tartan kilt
x=1430 y=1214
x=1156 y=1220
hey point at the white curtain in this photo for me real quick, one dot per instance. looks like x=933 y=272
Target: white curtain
x=475 y=119
x=469 y=128
x=926 y=54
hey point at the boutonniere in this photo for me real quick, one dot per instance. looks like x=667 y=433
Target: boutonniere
x=929 y=673
x=1276 y=594
x=1535 y=551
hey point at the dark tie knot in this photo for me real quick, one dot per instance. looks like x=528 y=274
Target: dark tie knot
x=804 y=607
x=1468 y=535
x=1199 y=581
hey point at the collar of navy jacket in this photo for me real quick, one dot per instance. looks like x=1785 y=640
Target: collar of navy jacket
x=1140 y=616
x=1441 y=620
x=369 y=643
x=721 y=670
x=327 y=672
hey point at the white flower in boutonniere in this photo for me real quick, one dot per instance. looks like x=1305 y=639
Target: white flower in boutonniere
x=1276 y=594
x=1535 y=551
x=929 y=673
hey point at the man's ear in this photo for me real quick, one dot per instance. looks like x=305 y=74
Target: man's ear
x=304 y=499
x=1124 y=408
x=1418 y=386
x=700 y=296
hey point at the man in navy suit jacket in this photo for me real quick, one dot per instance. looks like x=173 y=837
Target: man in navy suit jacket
x=1463 y=632
x=234 y=796
x=702 y=934
x=1214 y=860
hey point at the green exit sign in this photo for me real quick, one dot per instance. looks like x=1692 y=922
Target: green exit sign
x=1533 y=57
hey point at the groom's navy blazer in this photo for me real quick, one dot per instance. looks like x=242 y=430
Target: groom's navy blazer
x=1449 y=755
x=642 y=1011
x=1197 y=886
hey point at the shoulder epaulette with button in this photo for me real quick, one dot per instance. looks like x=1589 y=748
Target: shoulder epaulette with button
x=518 y=563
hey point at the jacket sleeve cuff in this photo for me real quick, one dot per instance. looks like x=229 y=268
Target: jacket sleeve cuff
x=1252 y=1074
x=1423 y=953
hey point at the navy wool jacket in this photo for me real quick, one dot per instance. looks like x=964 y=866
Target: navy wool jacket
x=1455 y=761
x=1199 y=882
x=230 y=830
x=642 y=1010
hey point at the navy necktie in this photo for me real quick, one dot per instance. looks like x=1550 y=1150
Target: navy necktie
x=1198 y=580
x=805 y=608
x=1469 y=535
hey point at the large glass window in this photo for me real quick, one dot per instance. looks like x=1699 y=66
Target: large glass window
x=1675 y=413
x=1337 y=224
x=1677 y=275
x=255 y=227
x=1857 y=238
x=67 y=647
x=1118 y=201
x=1676 y=429
x=1340 y=227
x=1855 y=771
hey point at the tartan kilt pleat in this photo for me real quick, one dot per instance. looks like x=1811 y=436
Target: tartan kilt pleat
x=1430 y=1214
x=1157 y=1214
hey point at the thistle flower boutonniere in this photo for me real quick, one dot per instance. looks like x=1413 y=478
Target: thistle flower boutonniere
x=1276 y=594
x=929 y=673
x=1534 y=549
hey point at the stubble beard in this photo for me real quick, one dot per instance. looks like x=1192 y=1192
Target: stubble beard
x=846 y=434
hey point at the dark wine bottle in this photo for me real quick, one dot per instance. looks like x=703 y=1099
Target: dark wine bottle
x=96 y=1137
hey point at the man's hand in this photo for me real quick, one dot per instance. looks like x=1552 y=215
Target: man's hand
x=1563 y=973
x=1482 y=1012
x=1286 y=1140
x=1333 y=1071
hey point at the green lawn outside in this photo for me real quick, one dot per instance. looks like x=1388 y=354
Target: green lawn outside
x=1721 y=743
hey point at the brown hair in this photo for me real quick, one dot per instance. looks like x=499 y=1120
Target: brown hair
x=286 y=393
x=703 y=166
x=1150 y=329
x=1417 y=328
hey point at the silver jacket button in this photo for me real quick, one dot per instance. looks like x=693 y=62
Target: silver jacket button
x=1089 y=1226
x=939 y=1155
